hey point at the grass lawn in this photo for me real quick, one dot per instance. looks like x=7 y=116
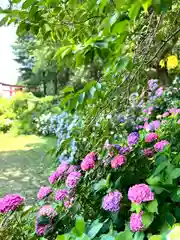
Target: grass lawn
x=24 y=164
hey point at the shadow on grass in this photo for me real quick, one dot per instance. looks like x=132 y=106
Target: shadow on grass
x=24 y=171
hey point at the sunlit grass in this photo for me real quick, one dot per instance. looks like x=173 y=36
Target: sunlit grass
x=24 y=164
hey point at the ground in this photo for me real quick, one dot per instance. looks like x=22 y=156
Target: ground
x=24 y=164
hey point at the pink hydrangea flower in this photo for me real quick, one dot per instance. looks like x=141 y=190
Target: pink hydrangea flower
x=10 y=202
x=148 y=152
x=89 y=161
x=111 y=202
x=41 y=229
x=140 y=193
x=166 y=114
x=159 y=92
x=72 y=168
x=178 y=121
x=47 y=210
x=136 y=223
x=69 y=203
x=118 y=161
x=159 y=146
x=43 y=192
x=151 y=137
x=62 y=168
x=53 y=178
x=61 y=194
x=73 y=179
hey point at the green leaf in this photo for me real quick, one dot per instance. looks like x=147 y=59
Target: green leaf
x=152 y=206
x=16 y=1
x=123 y=63
x=146 y=5
x=161 y=167
x=63 y=51
x=22 y=28
x=155 y=237
x=138 y=236
x=62 y=237
x=102 y=4
x=95 y=228
x=28 y=4
x=68 y=89
x=147 y=219
x=126 y=235
x=134 y=10
x=153 y=180
x=120 y=27
x=3 y=21
x=80 y=226
x=175 y=173
x=136 y=207
x=43 y=220
x=100 y=185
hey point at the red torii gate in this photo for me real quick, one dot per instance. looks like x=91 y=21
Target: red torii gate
x=8 y=90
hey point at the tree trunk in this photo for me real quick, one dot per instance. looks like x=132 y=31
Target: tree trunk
x=44 y=87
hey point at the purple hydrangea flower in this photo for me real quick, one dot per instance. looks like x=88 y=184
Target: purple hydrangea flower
x=53 y=178
x=159 y=92
x=133 y=138
x=43 y=192
x=153 y=84
x=140 y=193
x=136 y=223
x=148 y=152
x=124 y=150
x=72 y=168
x=73 y=179
x=61 y=194
x=111 y=202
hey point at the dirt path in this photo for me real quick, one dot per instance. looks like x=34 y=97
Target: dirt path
x=24 y=165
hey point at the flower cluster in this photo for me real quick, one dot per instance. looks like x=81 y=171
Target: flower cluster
x=61 y=194
x=111 y=202
x=136 y=223
x=89 y=161
x=118 y=161
x=140 y=193
x=151 y=137
x=44 y=192
x=47 y=210
x=133 y=138
x=10 y=202
x=159 y=146
x=73 y=179
x=148 y=152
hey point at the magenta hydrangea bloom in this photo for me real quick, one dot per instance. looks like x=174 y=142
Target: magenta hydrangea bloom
x=53 y=178
x=61 y=194
x=89 y=161
x=10 y=202
x=140 y=193
x=41 y=229
x=151 y=137
x=159 y=146
x=72 y=168
x=111 y=202
x=47 y=210
x=133 y=138
x=44 y=192
x=62 y=168
x=136 y=223
x=118 y=161
x=73 y=179
x=148 y=152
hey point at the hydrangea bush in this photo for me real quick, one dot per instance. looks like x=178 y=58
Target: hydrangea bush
x=130 y=187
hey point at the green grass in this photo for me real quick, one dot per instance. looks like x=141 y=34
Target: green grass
x=24 y=164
